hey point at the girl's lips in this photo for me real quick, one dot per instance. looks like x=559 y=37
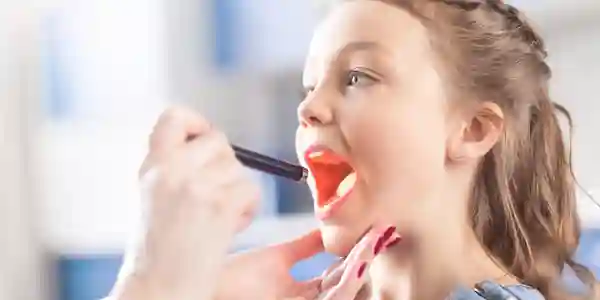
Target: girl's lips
x=328 y=210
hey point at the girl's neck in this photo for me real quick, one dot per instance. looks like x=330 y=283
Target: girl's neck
x=433 y=270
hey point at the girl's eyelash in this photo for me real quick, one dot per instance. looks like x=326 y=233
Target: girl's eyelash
x=354 y=76
x=306 y=91
x=352 y=73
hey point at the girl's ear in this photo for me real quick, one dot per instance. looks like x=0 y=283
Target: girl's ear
x=477 y=134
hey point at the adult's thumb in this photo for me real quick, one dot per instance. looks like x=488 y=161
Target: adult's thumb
x=300 y=248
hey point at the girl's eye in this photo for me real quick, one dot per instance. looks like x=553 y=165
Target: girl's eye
x=357 y=78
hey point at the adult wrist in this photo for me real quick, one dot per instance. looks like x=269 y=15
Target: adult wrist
x=143 y=287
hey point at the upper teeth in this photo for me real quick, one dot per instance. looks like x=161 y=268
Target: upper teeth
x=316 y=154
x=325 y=157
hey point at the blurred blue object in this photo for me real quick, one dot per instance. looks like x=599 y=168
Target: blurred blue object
x=87 y=277
x=224 y=53
x=292 y=198
x=588 y=252
x=313 y=267
x=56 y=97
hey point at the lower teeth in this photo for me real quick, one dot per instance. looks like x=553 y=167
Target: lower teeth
x=342 y=189
x=346 y=184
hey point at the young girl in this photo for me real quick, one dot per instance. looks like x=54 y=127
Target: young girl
x=432 y=116
x=440 y=113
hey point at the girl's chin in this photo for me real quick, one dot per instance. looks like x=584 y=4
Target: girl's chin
x=339 y=241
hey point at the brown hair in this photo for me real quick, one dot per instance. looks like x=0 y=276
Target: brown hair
x=523 y=201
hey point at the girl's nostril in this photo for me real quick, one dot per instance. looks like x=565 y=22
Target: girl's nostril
x=313 y=120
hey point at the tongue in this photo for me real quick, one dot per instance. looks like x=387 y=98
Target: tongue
x=346 y=184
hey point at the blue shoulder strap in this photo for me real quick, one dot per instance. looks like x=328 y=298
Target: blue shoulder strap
x=515 y=292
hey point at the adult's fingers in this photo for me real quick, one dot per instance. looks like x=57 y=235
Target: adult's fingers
x=175 y=126
x=376 y=239
x=372 y=243
x=172 y=130
x=332 y=275
x=358 y=261
x=212 y=147
x=309 y=289
x=332 y=268
x=351 y=282
x=305 y=290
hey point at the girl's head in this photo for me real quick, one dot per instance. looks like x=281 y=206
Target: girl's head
x=440 y=112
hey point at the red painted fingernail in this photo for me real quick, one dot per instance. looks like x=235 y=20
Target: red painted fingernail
x=361 y=270
x=383 y=239
x=393 y=242
x=388 y=233
x=378 y=246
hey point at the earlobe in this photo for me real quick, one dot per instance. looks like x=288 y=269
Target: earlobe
x=455 y=150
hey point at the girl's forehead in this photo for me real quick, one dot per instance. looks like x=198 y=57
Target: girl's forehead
x=373 y=27
x=367 y=20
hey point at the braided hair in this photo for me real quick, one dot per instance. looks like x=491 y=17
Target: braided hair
x=523 y=204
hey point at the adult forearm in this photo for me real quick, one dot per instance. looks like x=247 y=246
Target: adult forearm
x=143 y=289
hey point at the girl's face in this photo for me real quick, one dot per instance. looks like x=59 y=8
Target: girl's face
x=374 y=117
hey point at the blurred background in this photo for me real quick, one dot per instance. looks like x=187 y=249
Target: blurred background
x=81 y=83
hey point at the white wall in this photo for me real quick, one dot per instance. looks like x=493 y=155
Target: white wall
x=224 y=97
x=119 y=61
x=574 y=59
x=20 y=252
x=86 y=161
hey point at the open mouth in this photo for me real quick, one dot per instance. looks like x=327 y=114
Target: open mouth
x=333 y=175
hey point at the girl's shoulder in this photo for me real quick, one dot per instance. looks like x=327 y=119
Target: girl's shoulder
x=521 y=292
x=525 y=292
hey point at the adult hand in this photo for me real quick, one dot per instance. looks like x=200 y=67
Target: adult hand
x=344 y=280
x=197 y=196
x=265 y=273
